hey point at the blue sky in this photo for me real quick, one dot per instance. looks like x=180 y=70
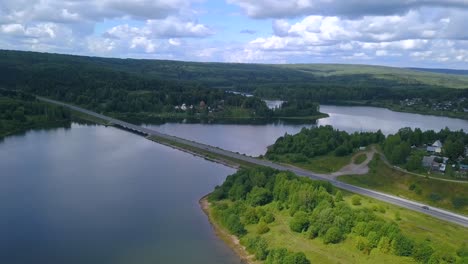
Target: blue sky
x=404 y=33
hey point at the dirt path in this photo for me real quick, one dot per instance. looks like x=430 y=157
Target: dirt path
x=356 y=169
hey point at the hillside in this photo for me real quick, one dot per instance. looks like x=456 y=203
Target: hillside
x=230 y=75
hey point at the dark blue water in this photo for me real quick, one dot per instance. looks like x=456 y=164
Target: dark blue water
x=92 y=194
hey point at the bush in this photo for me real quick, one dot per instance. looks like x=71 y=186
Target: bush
x=338 y=196
x=341 y=151
x=356 y=200
x=283 y=256
x=435 y=197
x=268 y=218
x=234 y=225
x=262 y=228
x=258 y=246
x=259 y=196
x=333 y=235
x=402 y=246
x=422 y=252
x=300 y=222
x=459 y=202
x=250 y=216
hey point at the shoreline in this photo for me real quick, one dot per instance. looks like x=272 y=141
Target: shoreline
x=229 y=240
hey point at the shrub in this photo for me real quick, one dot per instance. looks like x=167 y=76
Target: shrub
x=402 y=246
x=268 y=218
x=262 y=228
x=356 y=200
x=251 y=216
x=422 y=252
x=333 y=235
x=300 y=222
x=259 y=196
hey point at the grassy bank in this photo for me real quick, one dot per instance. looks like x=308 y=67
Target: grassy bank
x=434 y=192
x=228 y=161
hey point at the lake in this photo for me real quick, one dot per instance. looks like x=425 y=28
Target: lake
x=91 y=194
x=253 y=139
x=94 y=194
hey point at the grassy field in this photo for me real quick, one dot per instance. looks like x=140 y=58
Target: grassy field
x=383 y=72
x=448 y=237
x=433 y=192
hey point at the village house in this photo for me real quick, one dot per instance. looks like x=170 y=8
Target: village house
x=436 y=147
x=435 y=163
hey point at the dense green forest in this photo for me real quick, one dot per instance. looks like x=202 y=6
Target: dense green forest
x=19 y=112
x=317 y=210
x=158 y=86
x=320 y=141
x=102 y=85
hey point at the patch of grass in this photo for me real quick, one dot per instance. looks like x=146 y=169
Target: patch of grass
x=321 y=164
x=359 y=159
x=433 y=192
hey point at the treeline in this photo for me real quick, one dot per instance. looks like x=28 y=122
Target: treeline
x=319 y=141
x=254 y=197
x=337 y=89
x=20 y=111
x=114 y=86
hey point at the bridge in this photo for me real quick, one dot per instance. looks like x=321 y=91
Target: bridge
x=415 y=206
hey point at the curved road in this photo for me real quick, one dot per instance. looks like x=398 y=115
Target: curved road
x=415 y=206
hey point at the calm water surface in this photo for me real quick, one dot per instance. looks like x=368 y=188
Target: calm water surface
x=92 y=194
x=254 y=139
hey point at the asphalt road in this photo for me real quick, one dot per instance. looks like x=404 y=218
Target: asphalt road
x=415 y=206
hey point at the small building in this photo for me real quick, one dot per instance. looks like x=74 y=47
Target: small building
x=434 y=163
x=427 y=161
x=436 y=147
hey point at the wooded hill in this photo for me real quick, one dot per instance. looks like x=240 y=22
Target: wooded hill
x=131 y=85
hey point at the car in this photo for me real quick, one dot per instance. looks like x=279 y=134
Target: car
x=425 y=207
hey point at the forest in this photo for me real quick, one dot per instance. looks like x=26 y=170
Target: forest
x=320 y=141
x=158 y=86
x=256 y=197
x=20 y=111
x=87 y=83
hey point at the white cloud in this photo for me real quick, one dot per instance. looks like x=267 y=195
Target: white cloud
x=348 y=8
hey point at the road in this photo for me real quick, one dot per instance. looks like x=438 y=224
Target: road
x=415 y=206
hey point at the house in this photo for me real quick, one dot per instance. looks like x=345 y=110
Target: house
x=427 y=161
x=435 y=163
x=436 y=147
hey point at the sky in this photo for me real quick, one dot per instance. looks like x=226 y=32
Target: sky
x=402 y=33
